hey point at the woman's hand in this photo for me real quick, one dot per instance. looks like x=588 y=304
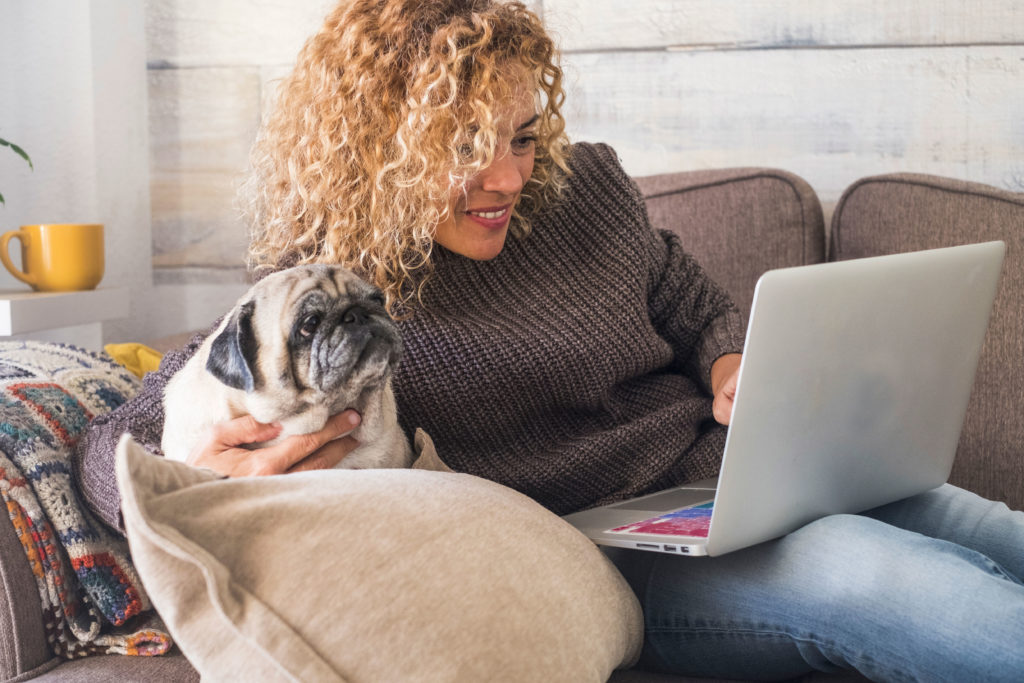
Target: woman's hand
x=724 y=374
x=222 y=452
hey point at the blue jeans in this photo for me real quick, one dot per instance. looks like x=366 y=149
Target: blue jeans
x=924 y=589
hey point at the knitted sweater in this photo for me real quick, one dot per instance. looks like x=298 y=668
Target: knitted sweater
x=573 y=367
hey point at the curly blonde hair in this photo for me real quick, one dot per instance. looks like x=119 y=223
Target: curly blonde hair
x=392 y=104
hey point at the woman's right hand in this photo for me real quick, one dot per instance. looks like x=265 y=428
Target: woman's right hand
x=222 y=450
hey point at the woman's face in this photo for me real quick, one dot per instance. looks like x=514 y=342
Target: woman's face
x=479 y=211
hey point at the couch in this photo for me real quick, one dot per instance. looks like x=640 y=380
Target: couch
x=739 y=223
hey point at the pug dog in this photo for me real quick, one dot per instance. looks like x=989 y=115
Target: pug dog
x=301 y=345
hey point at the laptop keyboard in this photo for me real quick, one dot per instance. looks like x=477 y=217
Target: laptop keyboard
x=668 y=500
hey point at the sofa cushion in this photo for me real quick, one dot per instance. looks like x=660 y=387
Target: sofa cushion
x=908 y=212
x=739 y=222
x=171 y=668
x=376 y=575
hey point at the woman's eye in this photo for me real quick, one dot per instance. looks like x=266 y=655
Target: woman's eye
x=309 y=325
x=523 y=143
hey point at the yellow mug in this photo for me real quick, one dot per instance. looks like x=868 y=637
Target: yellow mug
x=57 y=257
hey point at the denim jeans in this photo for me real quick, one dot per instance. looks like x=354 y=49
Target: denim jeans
x=924 y=589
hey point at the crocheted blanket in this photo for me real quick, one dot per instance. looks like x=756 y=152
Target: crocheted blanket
x=92 y=599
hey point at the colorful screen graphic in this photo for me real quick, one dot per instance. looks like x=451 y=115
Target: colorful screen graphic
x=691 y=521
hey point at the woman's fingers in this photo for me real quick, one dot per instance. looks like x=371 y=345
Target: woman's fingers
x=721 y=407
x=296 y=448
x=725 y=373
x=327 y=456
x=223 y=450
x=243 y=430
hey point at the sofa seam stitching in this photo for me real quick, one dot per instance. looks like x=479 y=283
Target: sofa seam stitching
x=841 y=206
x=786 y=180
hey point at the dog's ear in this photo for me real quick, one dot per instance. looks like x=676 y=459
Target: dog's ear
x=233 y=352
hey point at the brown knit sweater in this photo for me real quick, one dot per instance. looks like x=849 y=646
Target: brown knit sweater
x=573 y=367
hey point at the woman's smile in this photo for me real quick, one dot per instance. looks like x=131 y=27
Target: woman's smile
x=493 y=218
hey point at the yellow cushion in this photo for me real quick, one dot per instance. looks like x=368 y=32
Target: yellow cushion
x=137 y=358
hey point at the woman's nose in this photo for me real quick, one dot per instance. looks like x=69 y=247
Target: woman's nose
x=502 y=175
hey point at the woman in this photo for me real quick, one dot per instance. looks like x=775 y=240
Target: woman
x=558 y=345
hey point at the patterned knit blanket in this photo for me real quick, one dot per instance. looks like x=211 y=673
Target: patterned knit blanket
x=92 y=600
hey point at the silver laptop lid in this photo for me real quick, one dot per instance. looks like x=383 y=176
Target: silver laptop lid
x=853 y=387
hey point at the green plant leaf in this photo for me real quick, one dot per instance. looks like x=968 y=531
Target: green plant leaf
x=2 y=200
x=17 y=150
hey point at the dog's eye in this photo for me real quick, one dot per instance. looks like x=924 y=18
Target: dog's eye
x=309 y=325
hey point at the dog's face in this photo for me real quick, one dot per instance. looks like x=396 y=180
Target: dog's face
x=313 y=329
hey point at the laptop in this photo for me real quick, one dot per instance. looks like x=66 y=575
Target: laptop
x=852 y=394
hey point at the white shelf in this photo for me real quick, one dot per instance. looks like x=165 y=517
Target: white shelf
x=71 y=317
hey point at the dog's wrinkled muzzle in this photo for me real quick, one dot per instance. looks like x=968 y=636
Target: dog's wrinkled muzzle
x=356 y=347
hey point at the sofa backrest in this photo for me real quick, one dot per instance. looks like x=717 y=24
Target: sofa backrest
x=908 y=212
x=739 y=222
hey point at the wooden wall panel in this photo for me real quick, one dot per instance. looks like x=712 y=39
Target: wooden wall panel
x=732 y=24
x=202 y=123
x=831 y=116
x=191 y=33
x=831 y=91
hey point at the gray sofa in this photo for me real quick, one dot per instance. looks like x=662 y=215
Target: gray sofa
x=739 y=223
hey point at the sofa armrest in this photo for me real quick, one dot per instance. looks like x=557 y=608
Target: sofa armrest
x=22 y=640
x=907 y=212
x=739 y=222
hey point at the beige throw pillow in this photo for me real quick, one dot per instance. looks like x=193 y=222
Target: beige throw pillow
x=371 y=575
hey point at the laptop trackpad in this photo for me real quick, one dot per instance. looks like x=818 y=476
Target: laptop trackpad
x=667 y=500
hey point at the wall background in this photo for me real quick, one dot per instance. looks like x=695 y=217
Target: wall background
x=831 y=91
x=73 y=95
x=149 y=109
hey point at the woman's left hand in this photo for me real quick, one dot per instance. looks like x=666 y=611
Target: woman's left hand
x=724 y=375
